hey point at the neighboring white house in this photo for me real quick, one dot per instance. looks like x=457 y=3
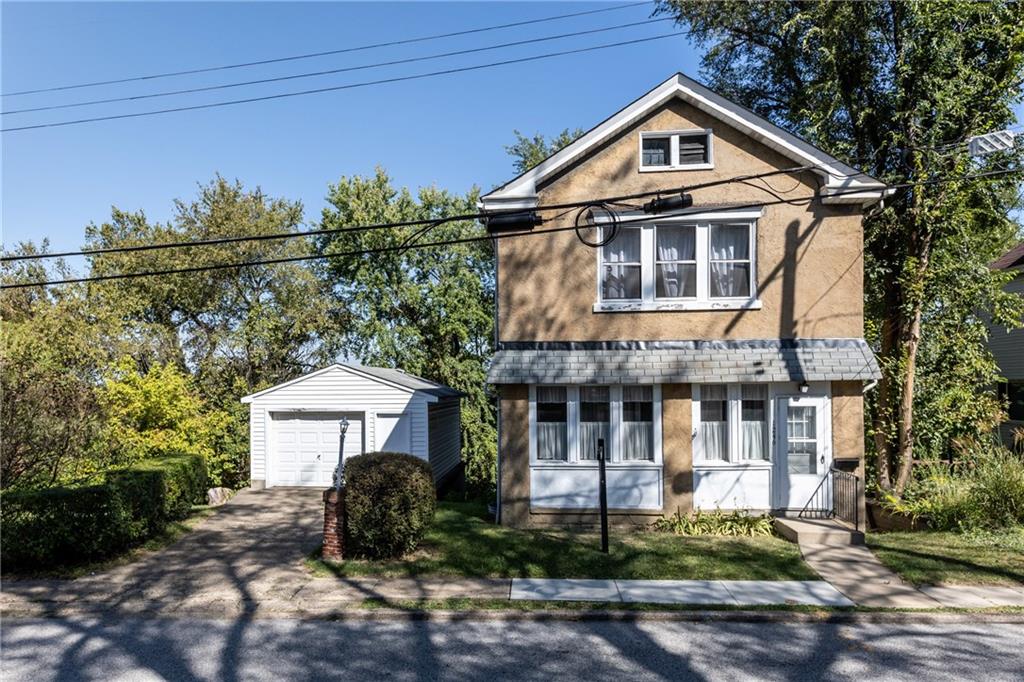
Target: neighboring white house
x=294 y=427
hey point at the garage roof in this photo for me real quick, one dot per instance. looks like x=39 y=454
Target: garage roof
x=393 y=377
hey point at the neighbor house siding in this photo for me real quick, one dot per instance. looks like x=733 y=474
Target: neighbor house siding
x=1008 y=346
x=445 y=437
x=257 y=447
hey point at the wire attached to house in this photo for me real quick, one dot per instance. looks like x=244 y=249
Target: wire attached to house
x=467 y=240
x=311 y=55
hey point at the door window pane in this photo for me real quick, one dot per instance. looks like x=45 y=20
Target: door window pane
x=595 y=418
x=754 y=422
x=656 y=151
x=552 y=424
x=802 y=439
x=638 y=423
x=714 y=422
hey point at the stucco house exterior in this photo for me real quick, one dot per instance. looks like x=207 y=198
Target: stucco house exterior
x=717 y=353
x=1007 y=346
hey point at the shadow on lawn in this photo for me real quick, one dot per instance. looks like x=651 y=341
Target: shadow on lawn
x=462 y=542
x=924 y=562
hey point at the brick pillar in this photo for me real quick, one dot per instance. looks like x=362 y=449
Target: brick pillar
x=334 y=524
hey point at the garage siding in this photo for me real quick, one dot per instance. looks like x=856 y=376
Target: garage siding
x=445 y=436
x=337 y=390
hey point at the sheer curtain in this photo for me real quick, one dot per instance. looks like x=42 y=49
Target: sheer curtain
x=622 y=265
x=714 y=422
x=595 y=417
x=731 y=244
x=638 y=423
x=676 y=253
x=754 y=422
x=552 y=424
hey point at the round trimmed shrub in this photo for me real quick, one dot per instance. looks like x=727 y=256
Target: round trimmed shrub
x=389 y=503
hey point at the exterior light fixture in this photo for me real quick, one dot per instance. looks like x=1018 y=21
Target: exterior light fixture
x=512 y=221
x=339 y=474
x=670 y=203
x=804 y=387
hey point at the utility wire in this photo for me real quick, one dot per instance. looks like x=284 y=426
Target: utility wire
x=466 y=240
x=349 y=86
x=326 y=72
x=325 y=53
x=426 y=222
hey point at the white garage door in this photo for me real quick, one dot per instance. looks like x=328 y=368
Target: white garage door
x=305 y=447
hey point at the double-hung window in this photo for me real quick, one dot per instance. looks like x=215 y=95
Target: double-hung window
x=568 y=423
x=681 y=263
x=731 y=423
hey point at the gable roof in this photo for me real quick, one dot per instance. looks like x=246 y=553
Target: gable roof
x=1010 y=259
x=856 y=186
x=395 y=378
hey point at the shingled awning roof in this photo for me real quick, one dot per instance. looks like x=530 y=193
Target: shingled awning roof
x=665 y=362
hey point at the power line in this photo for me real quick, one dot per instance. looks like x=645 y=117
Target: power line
x=310 y=55
x=426 y=222
x=326 y=72
x=466 y=240
x=349 y=86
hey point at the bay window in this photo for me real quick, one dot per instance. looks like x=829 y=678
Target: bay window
x=698 y=262
x=731 y=423
x=566 y=423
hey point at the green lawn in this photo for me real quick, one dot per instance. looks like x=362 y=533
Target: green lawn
x=934 y=557
x=463 y=543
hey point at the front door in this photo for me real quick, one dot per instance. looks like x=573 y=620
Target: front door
x=803 y=447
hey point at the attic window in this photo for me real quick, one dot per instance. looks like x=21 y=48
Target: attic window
x=676 y=150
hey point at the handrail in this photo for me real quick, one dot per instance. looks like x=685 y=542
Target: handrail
x=837 y=496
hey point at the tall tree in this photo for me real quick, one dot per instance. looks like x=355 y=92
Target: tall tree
x=428 y=311
x=527 y=152
x=896 y=88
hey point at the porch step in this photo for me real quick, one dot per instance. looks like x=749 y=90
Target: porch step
x=818 y=532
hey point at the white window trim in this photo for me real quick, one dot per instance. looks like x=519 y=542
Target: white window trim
x=673 y=146
x=734 y=407
x=703 y=301
x=614 y=453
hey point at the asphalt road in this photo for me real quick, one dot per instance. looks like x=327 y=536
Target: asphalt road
x=180 y=649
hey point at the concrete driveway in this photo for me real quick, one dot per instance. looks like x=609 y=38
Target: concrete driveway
x=250 y=548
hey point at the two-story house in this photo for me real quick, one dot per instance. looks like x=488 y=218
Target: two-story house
x=716 y=352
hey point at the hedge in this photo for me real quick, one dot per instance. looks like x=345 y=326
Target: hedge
x=389 y=503
x=68 y=525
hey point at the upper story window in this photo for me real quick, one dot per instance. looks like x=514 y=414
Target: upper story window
x=676 y=150
x=680 y=264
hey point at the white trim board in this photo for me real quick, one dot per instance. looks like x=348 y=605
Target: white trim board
x=521 y=192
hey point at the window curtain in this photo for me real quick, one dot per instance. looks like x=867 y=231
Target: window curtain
x=676 y=243
x=552 y=424
x=622 y=266
x=730 y=243
x=638 y=423
x=714 y=422
x=595 y=418
x=754 y=422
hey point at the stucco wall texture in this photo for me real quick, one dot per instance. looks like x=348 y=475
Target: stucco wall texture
x=809 y=257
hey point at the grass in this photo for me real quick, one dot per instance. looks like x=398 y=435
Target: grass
x=462 y=543
x=174 y=531
x=944 y=557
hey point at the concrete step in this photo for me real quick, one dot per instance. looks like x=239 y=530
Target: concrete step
x=818 y=531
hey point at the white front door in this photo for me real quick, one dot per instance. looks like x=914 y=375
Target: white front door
x=803 y=449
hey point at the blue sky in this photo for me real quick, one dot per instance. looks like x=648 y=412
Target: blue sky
x=450 y=131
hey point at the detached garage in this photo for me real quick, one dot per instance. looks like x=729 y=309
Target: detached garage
x=294 y=427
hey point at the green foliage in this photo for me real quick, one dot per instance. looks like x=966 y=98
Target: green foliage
x=733 y=524
x=985 y=490
x=389 y=502
x=896 y=88
x=428 y=311
x=68 y=525
x=529 y=151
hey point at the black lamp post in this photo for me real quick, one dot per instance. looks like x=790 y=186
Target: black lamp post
x=340 y=476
